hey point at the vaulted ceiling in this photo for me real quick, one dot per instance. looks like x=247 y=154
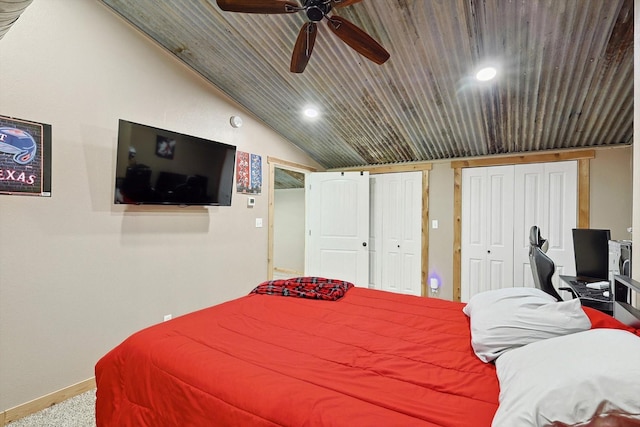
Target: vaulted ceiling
x=564 y=79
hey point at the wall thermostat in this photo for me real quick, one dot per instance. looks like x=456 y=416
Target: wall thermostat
x=251 y=202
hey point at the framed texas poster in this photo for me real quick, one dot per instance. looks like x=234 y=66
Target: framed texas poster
x=25 y=157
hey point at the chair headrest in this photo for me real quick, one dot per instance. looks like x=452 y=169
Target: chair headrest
x=535 y=239
x=534 y=235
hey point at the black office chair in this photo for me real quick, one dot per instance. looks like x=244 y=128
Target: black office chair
x=542 y=266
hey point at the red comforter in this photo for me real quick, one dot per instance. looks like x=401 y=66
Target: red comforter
x=371 y=358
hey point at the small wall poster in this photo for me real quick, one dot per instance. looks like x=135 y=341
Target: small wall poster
x=248 y=173
x=25 y=157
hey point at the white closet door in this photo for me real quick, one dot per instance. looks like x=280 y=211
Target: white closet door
x=546 y=196
x=337 y=239
x=473 y=238
x=561 y=181
x=530 y=208
x=402 y=232
x=375 y=231
x=487 y=229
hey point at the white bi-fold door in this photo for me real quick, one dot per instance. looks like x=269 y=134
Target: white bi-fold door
x=396 y=232
x=338 y=226
x=487 y=229
x=499 y=206
x=546 y=196
x=366 y=229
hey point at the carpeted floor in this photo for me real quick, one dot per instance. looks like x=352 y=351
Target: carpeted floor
x=79 y=411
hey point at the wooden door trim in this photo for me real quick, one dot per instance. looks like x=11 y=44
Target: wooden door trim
x=557 y=156
x=392 y=168
x=457 y=233
x=425 y=233
x=584 y=191
x=273 y=163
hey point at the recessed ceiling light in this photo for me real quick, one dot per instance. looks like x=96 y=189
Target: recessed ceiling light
x=486 y=74
x=311 y=112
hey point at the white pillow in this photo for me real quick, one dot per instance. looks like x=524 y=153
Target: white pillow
x=508 y=318
x=570 y=379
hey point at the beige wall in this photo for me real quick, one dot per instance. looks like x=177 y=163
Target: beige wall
x=612 y=192
x=78 y=274
x=441 y=239
x=289 y=229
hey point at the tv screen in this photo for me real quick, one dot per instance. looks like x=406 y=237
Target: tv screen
x=591 y=250
x=160 y=167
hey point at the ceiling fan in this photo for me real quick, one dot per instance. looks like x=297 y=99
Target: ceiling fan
x=316 y=10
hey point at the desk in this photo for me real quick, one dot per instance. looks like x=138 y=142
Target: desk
x=587 y=296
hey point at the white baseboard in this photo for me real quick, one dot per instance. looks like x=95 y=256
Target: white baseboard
x=44 y=402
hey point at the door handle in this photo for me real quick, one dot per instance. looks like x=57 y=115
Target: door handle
x=364 y=243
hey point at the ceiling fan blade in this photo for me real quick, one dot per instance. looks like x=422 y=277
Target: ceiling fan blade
x=344 y=3
x=304 y=46
x=358 y=40
x=258 y=6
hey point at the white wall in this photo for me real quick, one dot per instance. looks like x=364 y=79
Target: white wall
x=77 y=273
x=611 y=191
x=289 y=229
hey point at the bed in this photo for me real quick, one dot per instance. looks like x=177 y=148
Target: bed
x=360 y=357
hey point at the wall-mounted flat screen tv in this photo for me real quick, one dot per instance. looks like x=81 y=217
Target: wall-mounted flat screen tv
x=160 y=167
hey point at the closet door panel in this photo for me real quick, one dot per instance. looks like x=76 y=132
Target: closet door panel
x=401 y=232
x=391 y=232
x=500 y=231
x=337 y=240
x=499 y=206
x=487 y=229
x=473 y=279
x=562 y=208
x=546 y=196
x=391 y=272
x=375 y=232
x=411 y=226
x=529 y=208
x=497 y=271
x=473 y=232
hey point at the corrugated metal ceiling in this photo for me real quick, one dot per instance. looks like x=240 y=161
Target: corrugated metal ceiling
x=565 y=74
x=287 y=179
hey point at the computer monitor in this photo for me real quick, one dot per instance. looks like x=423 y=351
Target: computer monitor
x=591 y=251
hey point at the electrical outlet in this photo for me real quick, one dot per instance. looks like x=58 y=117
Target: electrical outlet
x=167 y=317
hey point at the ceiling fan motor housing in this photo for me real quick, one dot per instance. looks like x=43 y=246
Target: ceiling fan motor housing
x=316 y=9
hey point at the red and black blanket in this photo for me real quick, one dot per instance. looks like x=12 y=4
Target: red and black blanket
x=305 y=287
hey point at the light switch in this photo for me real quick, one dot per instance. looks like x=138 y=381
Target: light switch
x=434 y=223
x=258 y=222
